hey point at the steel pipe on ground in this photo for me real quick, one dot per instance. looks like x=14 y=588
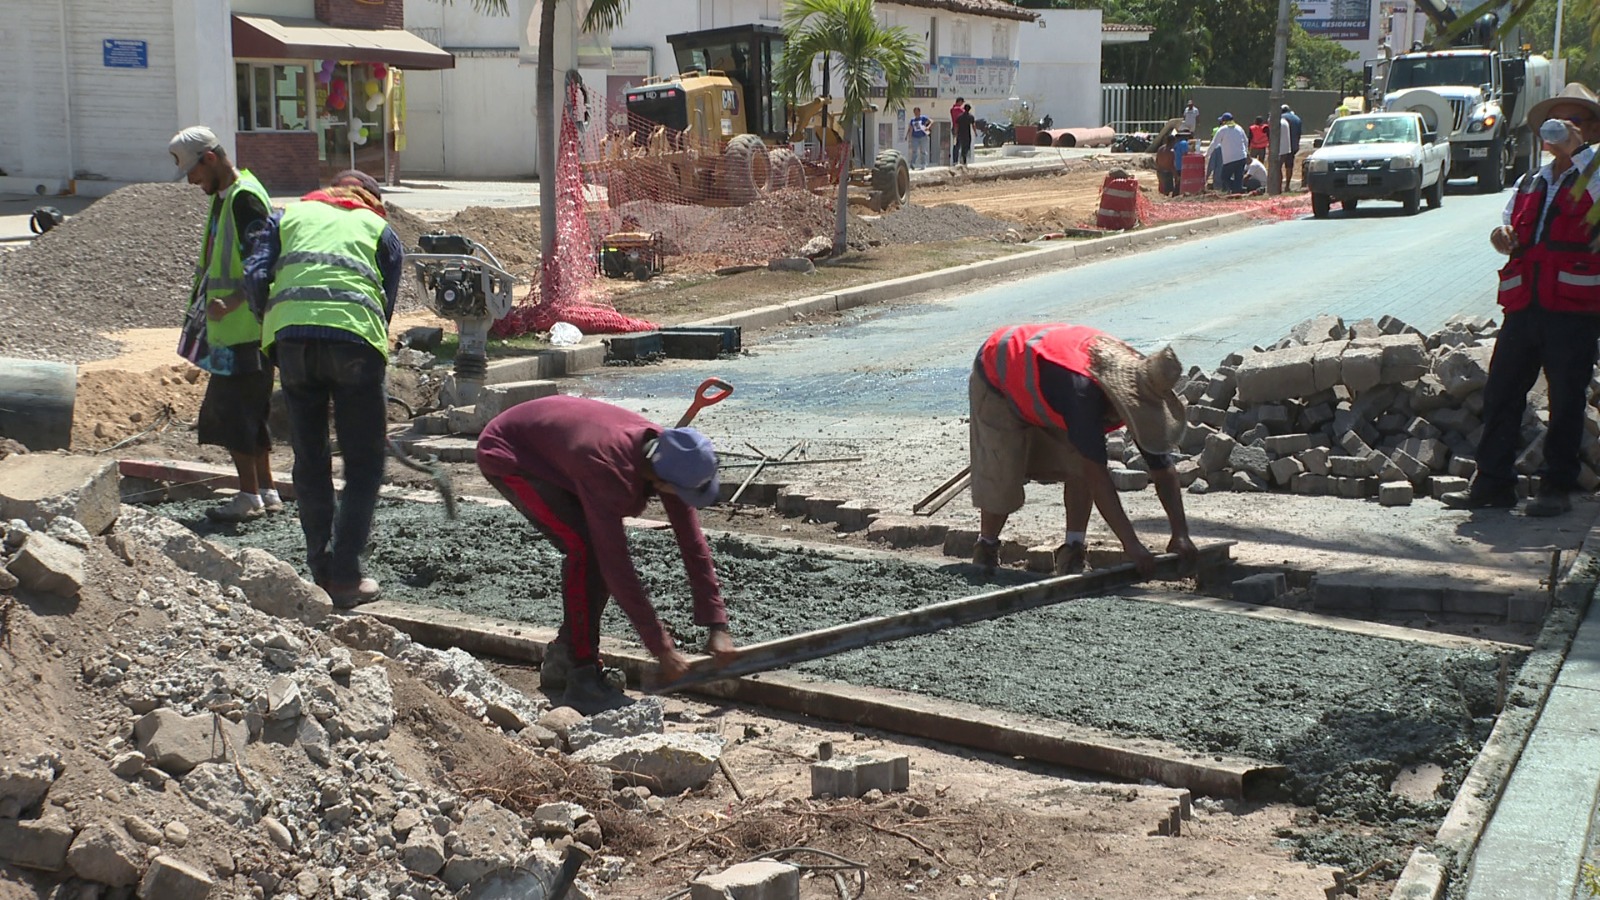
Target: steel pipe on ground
x=1077 y=137
x=36 y=401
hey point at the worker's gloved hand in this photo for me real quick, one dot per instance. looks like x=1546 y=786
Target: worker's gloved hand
x=720 y=645
x=1143 y=560
x=674 y=665
x=1188 y=554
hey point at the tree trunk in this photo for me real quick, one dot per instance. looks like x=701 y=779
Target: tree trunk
x=841 y=202
x=545 y=107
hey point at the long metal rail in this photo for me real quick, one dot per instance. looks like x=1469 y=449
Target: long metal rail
x=787 y=651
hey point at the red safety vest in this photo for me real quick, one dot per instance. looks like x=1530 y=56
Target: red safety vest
x=1011 y=357
x=1560 y=273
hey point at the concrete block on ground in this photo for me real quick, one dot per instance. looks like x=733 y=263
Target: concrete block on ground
x=1361 y=368
x=666 y=763
x=1216 y=453
x=1187 y=470
x=1464 y=370
x=1318 y=329
x=48 y=565
x=1194 y=438
x=174 y=879
x=447 y=449
x=176 y=743
x=853 y=776
x=35 y=843
x=1254 y=460
x=1462 y=467
x=1316 y=415
x=1326 y=365
x=821 y=509
x=1207 y=415
x=1433 y=453
x=959 y=541
x=1249 y=482
x=1348 y=466
x=791 y=502
x=1284 y=469
x=1404 y=356
x=1288 y=444
x=1342 y=593
x=1310 y=485
x=1042 y=558
x=1129 y=479
x=37 y=487
x=906 y=531
x=1420 y=428
x=1439 y=485
x=1277 y=375
x=1474 y=602
x=1315 y=460
x=1262 y=589
x=1353 y=444
x=854 y=515
x=764 y=879
x=1403 y=596
x=1274 y=417
x=1588 y=479
x=1413 y=469
x=1525 y=608
x=1395 y=493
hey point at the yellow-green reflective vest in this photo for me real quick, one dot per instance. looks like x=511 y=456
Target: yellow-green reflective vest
x=327 y=273
x=221 y=266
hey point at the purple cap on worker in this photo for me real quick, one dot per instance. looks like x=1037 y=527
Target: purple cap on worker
x=685 y=459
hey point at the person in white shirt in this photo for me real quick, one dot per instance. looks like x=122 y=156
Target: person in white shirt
x=1255 y=176
x=1191 y=117
x=1233 y=151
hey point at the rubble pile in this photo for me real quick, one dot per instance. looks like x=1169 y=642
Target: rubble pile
x=169 y=737
x=1366 y=410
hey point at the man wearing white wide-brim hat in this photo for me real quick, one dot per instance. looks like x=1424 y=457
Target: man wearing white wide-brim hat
x=1043 y=398
x=1550 y=291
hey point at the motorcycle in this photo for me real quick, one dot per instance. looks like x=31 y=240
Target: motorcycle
x=1136 y=142
x=995 y=133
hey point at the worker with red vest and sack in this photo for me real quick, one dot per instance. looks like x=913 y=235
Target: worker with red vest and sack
x=1042 y=399
x=1550 y=290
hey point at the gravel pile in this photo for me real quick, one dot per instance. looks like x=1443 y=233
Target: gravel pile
x=914 y=224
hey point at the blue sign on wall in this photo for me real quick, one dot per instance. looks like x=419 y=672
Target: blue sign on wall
x=122 y=54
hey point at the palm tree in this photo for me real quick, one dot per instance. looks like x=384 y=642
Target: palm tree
x=860 y=50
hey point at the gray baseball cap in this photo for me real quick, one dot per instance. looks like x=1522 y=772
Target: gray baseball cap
x=188 y=146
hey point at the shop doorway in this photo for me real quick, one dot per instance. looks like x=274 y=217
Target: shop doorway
x=353 y=118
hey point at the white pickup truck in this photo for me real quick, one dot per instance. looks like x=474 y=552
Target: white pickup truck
x=1379 y=156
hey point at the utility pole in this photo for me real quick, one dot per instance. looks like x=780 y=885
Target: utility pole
x=1555 y=54
x=1280 y=63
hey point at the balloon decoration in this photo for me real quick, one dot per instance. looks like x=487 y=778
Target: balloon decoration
x=379 y=71
x=372 y=88
x=361 y=136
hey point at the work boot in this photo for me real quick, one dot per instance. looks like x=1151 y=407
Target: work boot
x=350 y=596
x=1549 y=502
x=272 y=502
x=1482 y=496
x=1071 y=558
x=986 y=556
x=240 y=507
x=556 y=667
x=588 y=693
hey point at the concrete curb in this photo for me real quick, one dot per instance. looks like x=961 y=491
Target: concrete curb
x=1429 y=870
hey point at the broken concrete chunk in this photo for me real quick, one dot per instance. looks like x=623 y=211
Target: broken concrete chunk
x=763 y=878
x=69 y=531
x=641 y=717
x=25 y=781
x=38 y=487
x=176 y=743
x=854 y=776
x=105 y=854
x=174 y=879
x=668 y=763
x=272 y=586
x=366 y=707
x=219 y=789
x=423 y=852
x=35 y=844
x=48 y=565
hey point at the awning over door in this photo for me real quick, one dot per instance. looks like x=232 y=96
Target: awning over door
x=270 y=37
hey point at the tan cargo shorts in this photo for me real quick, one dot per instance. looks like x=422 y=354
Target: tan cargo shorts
x=1008 y=452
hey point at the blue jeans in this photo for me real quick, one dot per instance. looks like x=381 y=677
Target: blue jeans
x=350 y=377
x=919 y=151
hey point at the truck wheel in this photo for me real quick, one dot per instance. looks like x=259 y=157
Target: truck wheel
x=1491 y=175
x=745 y=167
x=891 y=180
x=1413 y=198
x=1435 y=193
x=1320 y=204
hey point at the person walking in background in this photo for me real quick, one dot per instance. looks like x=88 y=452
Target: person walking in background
x=959 y=107
x=576 y=468
x=1230 y=144
x=1191 y=116
x=1288 y=143
x=323 y=276
x=917 y=136
x=1260 y=138
x=964 y=125
x=221 y=334
x=1041 y=399
x=1552 y=313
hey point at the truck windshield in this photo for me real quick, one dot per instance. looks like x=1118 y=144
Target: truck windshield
x=1354 y=130
x=1430 y=71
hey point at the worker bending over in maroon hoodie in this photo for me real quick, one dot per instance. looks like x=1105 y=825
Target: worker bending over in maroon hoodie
x=576 y=468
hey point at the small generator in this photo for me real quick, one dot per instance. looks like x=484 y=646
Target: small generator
x=631 y=254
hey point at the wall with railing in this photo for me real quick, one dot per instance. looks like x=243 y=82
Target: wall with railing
x=1146 y=107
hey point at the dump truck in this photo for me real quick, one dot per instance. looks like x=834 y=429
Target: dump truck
x=720 y=132
x=1490 y=83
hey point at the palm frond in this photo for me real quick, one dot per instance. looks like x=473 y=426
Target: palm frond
x=604 y=15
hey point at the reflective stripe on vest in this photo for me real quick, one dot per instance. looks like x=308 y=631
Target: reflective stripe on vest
x=327 y=273
x=1511 y=283
x=1576 y=280
x=224 y=266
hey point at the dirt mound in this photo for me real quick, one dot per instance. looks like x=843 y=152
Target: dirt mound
x=775 y=225
x=114 y=405
x=912 y=224
x=127 y=261
x=512 y=235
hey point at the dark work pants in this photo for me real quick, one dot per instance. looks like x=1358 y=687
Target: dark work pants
x=350 y=377
x=558 y=515
x=1233 y=175
x=1563 y=346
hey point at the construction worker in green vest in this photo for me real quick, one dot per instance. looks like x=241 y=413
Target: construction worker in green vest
x=221 y=334
x=324 y=275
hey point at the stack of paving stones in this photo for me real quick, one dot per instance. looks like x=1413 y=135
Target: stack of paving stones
x=1370 y=410
x=227 y=751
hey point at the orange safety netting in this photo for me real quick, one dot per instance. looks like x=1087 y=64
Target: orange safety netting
x=570 y=273
x=1198 y=206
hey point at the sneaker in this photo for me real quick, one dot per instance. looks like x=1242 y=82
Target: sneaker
x=986 y=556
x=589 y=693
x=1549 y=503
x=272 y=501
x=556 y=667
x=1071 y=558
x=1480 y=496
x=238 y=508
x=349 y=596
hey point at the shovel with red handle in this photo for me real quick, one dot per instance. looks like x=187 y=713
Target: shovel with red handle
x=703 y=397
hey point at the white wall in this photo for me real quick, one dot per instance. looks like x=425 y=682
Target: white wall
x=1061 y=66
x=210 y=99
x=473 y=121
x=33 y=141
x=288 y=9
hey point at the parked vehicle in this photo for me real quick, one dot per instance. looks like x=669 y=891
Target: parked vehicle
x=1379 y=156
x=997 y=133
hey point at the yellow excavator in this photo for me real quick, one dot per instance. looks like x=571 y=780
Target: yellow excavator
x=720 y=132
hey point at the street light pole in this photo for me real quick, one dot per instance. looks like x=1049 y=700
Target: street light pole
x=1280 y=63
x=1555 y=53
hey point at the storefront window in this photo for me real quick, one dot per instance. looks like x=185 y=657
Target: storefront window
x=272 y=97
x=351 y=108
